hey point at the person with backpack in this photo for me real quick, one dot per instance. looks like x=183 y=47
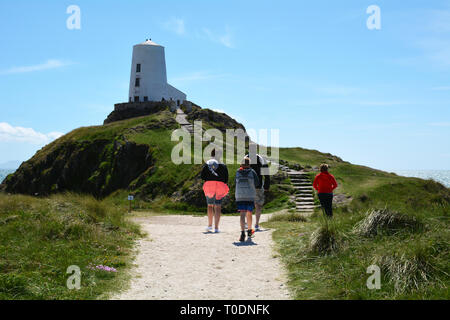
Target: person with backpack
x=325 y=183
x=246 y=183
x=261 y=168
x=215 y=175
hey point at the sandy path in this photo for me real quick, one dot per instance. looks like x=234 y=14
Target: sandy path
x=178 y=260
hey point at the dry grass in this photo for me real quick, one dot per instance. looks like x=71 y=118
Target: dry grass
x=323 y=241
x=406 y=273
x=385 y=221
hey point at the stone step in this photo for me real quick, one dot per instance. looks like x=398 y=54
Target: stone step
x=306 y=207
x=304 y=204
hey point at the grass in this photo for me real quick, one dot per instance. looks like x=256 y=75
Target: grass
x=329 y=261
x=41 y=237
x=400 y=224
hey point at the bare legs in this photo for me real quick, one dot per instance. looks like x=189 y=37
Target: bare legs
x=258 y=209
x=245 y=214
x=210 y=214
x=217 y=213
x=214 y=212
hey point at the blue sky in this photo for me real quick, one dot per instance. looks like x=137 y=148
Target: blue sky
x=311 y=69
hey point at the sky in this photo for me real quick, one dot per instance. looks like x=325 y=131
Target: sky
x=311 y=69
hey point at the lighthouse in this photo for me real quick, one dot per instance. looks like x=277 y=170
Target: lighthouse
x=148 y=80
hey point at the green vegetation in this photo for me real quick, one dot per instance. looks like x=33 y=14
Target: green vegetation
x=399 y=224
x=41 y=238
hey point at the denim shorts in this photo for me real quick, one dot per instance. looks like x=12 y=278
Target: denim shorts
x=245 y=205
x=213 y=201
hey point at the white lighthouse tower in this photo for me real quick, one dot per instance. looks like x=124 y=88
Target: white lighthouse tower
x=148 y=81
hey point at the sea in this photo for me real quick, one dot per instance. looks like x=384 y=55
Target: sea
x=4 y=173
x=442 y=176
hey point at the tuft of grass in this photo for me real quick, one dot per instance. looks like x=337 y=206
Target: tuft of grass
x=406 y=273
x=323 y=241
x=385 y=221
x=288 y=217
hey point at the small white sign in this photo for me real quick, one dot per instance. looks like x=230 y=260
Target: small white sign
x=131 y=198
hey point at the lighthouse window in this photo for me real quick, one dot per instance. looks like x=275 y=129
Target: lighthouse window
x=138 y=82
x=138 y=67
x=136 y=98
x=145 y=98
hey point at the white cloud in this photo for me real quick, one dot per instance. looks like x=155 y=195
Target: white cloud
x=225 y=39
x=49 y=64
x=175 y=25
x=8 y=133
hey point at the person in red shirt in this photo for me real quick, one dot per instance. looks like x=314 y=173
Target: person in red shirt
x=325 y=183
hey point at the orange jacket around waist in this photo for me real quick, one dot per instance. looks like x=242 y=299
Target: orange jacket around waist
x=325 y=182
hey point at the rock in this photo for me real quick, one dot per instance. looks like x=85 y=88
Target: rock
x=220 y=121
x=130 y=110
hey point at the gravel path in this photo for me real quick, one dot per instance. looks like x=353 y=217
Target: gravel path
x=178 y=260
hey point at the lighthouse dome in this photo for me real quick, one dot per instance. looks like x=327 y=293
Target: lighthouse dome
x=149 y=42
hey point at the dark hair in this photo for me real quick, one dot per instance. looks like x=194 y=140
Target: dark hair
x=323 y=167
x=246 y=162
x=213 y=153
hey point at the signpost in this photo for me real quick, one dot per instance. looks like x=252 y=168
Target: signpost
x=130 y=199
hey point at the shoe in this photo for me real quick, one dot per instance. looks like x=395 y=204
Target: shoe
x=209 y=229
x=257 y=228
x=246 y=225
x=242 y=238
x=250 y=233
x=216 y=231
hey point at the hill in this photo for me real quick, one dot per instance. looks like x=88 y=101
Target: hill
x=121 y=157
x=398 y=223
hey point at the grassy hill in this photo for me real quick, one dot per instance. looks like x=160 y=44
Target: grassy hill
x=409 y=240
x=399 y=224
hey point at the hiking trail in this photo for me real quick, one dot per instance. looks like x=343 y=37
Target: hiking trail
x=304 y=195
x=178 y=260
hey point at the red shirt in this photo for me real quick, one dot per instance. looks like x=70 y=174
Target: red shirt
x=325 y=182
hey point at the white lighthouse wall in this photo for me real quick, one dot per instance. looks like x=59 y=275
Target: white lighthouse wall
x=175 y=94
x=153 y=78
